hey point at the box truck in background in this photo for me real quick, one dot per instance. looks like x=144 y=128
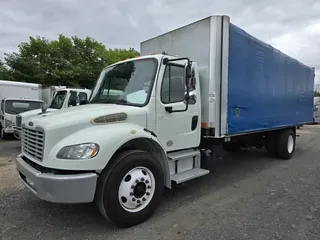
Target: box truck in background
x=16 y=98
x=48 y=92
x=62 y=97
x=168 y=120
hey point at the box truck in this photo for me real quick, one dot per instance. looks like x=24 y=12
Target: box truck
x=48 y=92
x=168 y=120
x=16 y=98
x=59 y=97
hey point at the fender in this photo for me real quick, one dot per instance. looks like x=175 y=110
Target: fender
x=110 y=138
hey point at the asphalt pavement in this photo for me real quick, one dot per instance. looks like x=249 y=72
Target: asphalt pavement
x=249 y=196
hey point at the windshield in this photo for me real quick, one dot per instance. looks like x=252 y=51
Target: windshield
x=20 y=106
x=126 y=83
x=58 y=99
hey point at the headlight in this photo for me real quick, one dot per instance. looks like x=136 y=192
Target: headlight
x=79 y=151
x=8 y=123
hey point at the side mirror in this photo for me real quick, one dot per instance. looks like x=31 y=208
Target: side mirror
x=73 y=99
x=43 y=108
x=146 y=86
x=83 y=98
x=192 y=99
x=188 y=74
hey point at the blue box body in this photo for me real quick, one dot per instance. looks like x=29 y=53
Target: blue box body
x=266 y=88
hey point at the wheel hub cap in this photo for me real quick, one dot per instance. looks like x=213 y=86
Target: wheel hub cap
x=136 y=189
x=290 y=144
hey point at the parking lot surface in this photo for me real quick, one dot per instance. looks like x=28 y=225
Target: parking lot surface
x=249 y=196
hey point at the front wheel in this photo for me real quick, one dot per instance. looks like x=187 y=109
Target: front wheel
x=3 y=135
x=130 y=189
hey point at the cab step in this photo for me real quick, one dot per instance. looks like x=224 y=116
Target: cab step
x=189 y=175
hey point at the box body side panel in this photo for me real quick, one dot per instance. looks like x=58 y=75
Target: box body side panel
x=266 y=88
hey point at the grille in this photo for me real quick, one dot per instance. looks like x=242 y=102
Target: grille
x=32 y=142
x=18 y=121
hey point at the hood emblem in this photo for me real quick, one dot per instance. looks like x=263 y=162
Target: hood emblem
x=30 y=124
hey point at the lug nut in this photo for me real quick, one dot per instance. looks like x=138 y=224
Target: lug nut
x=142 y=179
x=148 y=193
x=131 y=194
x=149 y=187
x=147 y=181
x=143 y=199
x=132 y=186
x=137 y=181
x=133 y=199
x=138 y=201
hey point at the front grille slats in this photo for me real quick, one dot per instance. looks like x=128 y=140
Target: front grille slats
x=32 y=141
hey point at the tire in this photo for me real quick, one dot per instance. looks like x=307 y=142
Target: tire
x=286 y=144
x=115 y=181
x=271 y=145
x=3 y=135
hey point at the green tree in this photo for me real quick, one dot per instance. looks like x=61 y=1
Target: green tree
x=316 y=94
x=65 y=61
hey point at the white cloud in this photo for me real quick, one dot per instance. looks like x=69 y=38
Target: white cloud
x=292 y=26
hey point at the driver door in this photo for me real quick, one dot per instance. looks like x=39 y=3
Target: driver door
x=176 y=130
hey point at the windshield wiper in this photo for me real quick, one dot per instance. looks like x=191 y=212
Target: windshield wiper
x=108 y=100
x=121 y=101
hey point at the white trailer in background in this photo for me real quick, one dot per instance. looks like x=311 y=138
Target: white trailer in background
x=16 y=98
x=62 y=98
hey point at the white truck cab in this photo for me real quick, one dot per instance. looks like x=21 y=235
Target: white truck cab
x=316 y=110
x=10 y=108
x=62 y=98
x=67 y=155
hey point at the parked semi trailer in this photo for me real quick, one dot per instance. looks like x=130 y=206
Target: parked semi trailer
x=168 y=120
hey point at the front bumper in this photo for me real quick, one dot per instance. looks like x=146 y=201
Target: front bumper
x=57 y=188
x=8 y=130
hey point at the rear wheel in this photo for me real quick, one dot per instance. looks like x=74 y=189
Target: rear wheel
x=286 y=144
x=130 y=189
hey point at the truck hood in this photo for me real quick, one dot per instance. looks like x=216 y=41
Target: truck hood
x=77 y=117
x=34 y=113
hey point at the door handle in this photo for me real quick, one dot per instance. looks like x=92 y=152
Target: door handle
x=168 y=109
x=194 y=123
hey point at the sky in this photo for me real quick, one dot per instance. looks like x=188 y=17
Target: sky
x=292 y=26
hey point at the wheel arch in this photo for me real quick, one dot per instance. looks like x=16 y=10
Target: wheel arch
x=153 y=148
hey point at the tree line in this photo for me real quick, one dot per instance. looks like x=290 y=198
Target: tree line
x=66 y=61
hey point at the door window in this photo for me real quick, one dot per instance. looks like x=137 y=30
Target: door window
x=173 y=86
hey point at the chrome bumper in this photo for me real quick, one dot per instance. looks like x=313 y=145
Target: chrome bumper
x=64 y=188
